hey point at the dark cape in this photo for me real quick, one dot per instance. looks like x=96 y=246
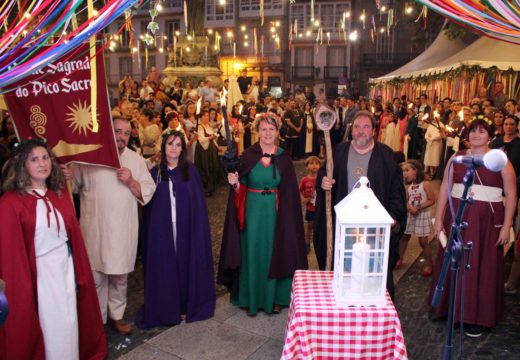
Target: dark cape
x=21 y=336
x=289 y=252
x=177 y=281
x=386 y=180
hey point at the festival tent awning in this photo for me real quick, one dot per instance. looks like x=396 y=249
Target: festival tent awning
x=485 y=52
x=441 y=48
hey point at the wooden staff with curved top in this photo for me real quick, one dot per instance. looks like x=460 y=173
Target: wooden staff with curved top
x=325 y=119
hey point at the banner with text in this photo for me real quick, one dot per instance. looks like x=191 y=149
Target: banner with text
x=54 y=103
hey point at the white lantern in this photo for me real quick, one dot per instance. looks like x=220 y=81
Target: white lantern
x=361 y=249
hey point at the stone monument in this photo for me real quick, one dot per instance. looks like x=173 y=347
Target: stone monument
x=193 y=58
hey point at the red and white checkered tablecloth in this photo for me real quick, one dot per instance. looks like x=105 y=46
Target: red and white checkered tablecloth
x=318 y=329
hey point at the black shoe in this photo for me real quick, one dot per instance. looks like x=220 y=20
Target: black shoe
x=474 y=331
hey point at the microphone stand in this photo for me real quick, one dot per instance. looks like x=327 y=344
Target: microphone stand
x=453 y=254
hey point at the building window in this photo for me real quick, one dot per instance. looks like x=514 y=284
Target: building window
x=337 y=56
x=384 y=46
x=215 y=11
x=276 y=4
x=125 y=66
x=124 y=36
x=172 y=3
x=304 y=56
x=145 y=67
x=327 y=17
x=144 y=25
x=297 y=14
x=251 y=5
x=145 y=32
x=171 y=28
x=330 y=14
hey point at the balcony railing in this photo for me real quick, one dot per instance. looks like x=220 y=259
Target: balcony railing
x=334 y=72
x=388 y=61
x=303 y=72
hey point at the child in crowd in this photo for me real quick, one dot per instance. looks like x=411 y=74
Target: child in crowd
x=308 y=195
x=420 y=197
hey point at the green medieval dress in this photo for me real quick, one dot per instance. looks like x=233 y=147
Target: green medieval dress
x=255 y=289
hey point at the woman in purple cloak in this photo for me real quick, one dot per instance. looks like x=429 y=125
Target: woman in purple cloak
x=177 y=258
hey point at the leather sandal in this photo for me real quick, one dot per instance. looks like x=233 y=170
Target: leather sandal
x=121 y=326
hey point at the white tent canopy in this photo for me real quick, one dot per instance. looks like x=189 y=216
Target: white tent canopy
x=440 y=49
x=485 y=52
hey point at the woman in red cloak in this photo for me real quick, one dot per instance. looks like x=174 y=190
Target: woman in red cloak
x=54 y=311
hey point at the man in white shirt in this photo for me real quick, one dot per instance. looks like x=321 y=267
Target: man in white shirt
x=109 y=222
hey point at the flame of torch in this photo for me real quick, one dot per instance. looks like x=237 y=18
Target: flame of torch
x=223 y=97
x=199 y=103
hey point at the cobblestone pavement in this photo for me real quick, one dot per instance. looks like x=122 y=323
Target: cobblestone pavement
x=424 y=338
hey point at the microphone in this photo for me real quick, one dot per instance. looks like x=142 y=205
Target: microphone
x=494 y=160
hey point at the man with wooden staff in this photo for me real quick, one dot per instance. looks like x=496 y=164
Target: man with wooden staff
x=353 y=159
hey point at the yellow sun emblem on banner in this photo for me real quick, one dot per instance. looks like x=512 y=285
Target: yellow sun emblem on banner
x=80 y=117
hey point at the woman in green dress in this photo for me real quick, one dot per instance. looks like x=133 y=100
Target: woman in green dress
x=263 y=242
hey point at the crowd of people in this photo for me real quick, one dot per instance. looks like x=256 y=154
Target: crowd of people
x=171 y=138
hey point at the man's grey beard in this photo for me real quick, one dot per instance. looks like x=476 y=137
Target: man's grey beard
x=362 y=141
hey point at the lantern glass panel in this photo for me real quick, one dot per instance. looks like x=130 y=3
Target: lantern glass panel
x=376 y=262
x=347 y=262
x=349 y=241
x=373 y=285
x=372 y=241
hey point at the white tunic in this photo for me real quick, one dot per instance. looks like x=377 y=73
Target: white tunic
x=308 y=135
x=202 y=131
x=109 y=219
x=392 y=136
x=432 y=154
x=57 y=310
